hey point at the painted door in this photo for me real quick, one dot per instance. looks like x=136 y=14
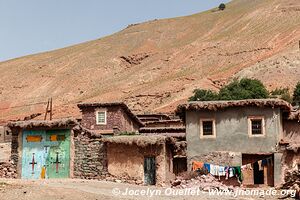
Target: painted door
x=46 y=154
x=33 y=154
x=58 y=158
x=149 y=171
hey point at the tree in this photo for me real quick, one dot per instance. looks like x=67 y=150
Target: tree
x=282 y=93
x=204 y=95
x=222 y=6
x=236 y=90
x=296 y=95
x=244 y=89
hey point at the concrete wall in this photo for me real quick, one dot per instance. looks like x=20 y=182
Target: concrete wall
x=127 y=161
x=232 y=139
x=116 y=117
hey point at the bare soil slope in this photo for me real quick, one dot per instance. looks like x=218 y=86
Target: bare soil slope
x=154 y=65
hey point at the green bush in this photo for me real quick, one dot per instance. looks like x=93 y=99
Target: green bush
x=204 y=95
x=244 y=89
x=236 y=90
x=296 y=95
x=222 y=6
x=282 y=93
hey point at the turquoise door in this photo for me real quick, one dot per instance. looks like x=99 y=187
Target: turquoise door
x=46 y=154
x=33 y=154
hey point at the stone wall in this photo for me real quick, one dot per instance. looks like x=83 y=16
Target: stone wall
x=90 y=160
x=116 y=118
x=7 y=170
x=14 y=148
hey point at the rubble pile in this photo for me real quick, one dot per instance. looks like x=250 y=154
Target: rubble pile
x=292 y=182
x=203 y=182
x=123 y=179
x=7 y=170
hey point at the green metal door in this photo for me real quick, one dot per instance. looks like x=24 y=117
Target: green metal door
x=149 y=171
x=46 y=154
x=58 y=159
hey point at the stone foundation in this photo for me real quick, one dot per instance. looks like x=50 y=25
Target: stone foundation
x=7 y=170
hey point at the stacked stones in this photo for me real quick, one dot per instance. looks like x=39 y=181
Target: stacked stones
x=7 y=170
x=90 y=158
x=203 y=182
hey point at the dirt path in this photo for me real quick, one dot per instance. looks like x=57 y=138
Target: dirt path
x=91 y=190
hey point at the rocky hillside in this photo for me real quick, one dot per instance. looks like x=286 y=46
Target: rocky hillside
x=154 y=65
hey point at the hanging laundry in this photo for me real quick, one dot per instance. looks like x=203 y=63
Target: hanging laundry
x=212 y=170
x=197 y=165
x=226 y=173
x=231 y=172
x=249 y=167
x=260 y=167
x=264 y=163
x=217 y=170
x=238 y=174
x=222 y=171
x=207 y=166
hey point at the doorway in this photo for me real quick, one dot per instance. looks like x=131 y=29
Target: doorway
x=149 y=171
x=179 y=165
x=258 y=175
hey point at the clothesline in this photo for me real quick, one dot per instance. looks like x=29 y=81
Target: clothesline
x=269 y=158
x=229 y=171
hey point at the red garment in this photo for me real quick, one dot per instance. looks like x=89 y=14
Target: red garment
x=197 y=165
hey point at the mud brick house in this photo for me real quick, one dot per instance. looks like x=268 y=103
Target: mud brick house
x=235 y=133
x=170 y=126
x=112 y=119
x=145 y=159
x=56 y=149
x=109 y=118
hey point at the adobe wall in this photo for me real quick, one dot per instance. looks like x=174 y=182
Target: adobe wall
x=291 y=159
x=127 y=161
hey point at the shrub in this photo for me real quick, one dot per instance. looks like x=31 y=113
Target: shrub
x=204 y=95
x=244 y=89
x=282 y=93
x=236 y=90
x=296 y=95
x=222 y=6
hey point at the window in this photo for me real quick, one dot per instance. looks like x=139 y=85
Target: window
x=207 y=128
x=101 y=117
x=256 y=126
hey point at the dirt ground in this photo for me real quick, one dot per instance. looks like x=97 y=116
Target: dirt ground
x=72 y=189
